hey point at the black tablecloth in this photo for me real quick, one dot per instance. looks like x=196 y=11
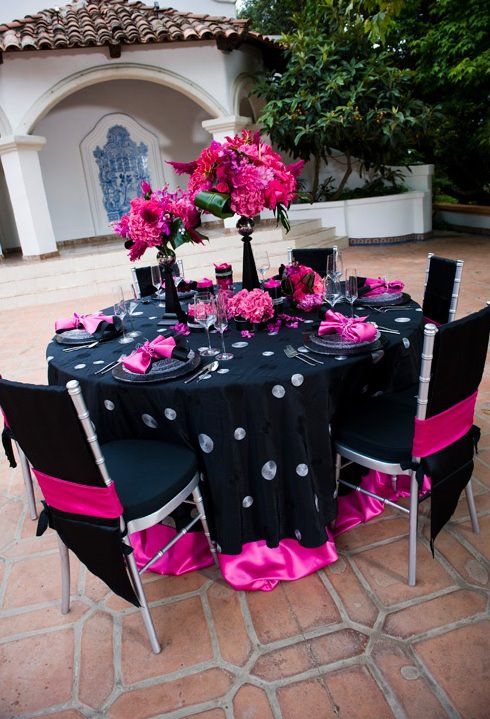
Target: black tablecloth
x=260 y=429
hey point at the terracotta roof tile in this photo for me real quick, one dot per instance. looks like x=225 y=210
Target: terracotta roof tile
x=89 y=23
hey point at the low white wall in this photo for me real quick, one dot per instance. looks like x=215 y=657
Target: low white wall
x=465 y=219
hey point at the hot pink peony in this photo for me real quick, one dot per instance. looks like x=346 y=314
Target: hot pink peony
x=254 y=305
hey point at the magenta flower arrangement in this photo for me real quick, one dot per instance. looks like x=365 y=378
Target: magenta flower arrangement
x=242 y=175
x=161 y=219
x=303 y=285
x=254 y=305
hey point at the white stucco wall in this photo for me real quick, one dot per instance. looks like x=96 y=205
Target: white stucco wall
x=174 y=119
x=10 y=9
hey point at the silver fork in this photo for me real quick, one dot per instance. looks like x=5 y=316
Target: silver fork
x=81 y=347
x=294 y=353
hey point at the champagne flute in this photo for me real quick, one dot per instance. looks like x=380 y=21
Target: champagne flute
x=221 y=323
x=131 y=306
x=333 y=293
x=156 y=281
x=205 y=315
x=351 y=289
x=263 y=263
x=120 y=310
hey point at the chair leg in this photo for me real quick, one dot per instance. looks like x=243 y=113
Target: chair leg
x=140 y=593
x=197 y=497
x=412 y=534
x=472 y=509
x=338 y=464
x=26 y=474
x=65 y=576
x=394 y=481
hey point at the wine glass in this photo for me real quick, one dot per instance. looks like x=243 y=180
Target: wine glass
x=334 y=264
x=263 y=262
x=120 y=310
x=351 y=290
x=131 y=306
x=221 y=323
x=156 y=281
x=205 y=315
x=333 y=293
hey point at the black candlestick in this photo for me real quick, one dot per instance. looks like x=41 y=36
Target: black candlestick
x=250 y=279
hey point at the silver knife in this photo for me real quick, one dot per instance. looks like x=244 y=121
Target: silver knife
x=201 y=371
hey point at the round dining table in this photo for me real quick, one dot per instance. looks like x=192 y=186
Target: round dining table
x=260 y=425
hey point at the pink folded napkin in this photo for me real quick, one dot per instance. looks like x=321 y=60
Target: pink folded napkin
x=205 y=283
x=88 y=322
x=272 y=283
x=351 y=329
x=141 y=359
x=380 y=286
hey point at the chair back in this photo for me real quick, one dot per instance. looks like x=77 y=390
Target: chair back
x=441 y=293
x=45 y=424
x=142 y=281
x=315 y=257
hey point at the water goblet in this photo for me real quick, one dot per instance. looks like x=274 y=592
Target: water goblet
x=221 y=323
x=205 y=315
x=131 y=306
x=351 y=289
x=121 y=311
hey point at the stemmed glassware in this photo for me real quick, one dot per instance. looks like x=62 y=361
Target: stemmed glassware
x=205 y=315
x=156 y=281
x=263 y=262
x=131 y=306
x=333 y=291
x=221 y=323
x=351 y=289
x=120 y=310
x=334 y=266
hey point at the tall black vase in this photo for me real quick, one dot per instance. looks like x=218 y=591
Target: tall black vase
x=172 y=303
x=250 y=279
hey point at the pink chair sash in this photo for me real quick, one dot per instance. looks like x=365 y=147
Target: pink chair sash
x=441 y=430
x=79 y=498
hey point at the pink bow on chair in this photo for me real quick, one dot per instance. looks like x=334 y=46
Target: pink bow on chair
x=352 y=329
x=89 y=322
x=380 y=286
x=141 y=359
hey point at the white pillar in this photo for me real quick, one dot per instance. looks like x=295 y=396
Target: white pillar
x=419 y=179
x=20 y=160
x=228 y=126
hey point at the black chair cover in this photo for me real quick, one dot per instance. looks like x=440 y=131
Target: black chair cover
x=439 y=288
x=47 y=429
x=7 y=438
x=145 y=284
x=316 y=258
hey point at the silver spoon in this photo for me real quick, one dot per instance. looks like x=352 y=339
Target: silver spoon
x=214 y=366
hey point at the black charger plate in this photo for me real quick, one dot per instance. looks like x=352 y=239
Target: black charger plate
x=160 y=371
x=80 y=336
x=381 y=300
x=331 y=345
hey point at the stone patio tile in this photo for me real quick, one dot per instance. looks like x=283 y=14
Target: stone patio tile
x=404 y=678
x=356 y=602
x=96 y=660
x=347 y=694
x=385 y=568
x=482 y=472
x=95 y=589
x=251 y=702
x=435 y=613
x=284 y=612
x=183 y=634
x=10 y=515
x=234 y=642
x=36 y=619
x=478 y=541
x=471 y=569
x=211 y=714
x=36 y=580
x=68 y=714
x=482 y=502
x=158 y=587
x=36 y=673
x=459 y=663
x=163 y=698
x=30 y=546
x=302 y=656
x=371 y=532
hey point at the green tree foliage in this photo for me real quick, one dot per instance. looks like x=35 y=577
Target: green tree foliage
x=271 y=17
x=339 y=91
x=447 y=45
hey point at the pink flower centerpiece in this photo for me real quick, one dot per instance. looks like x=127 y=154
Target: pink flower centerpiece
x=242 y=175
x=303 y=285
x=254 y=306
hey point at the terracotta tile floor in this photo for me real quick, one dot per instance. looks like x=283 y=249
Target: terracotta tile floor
x=351 y=641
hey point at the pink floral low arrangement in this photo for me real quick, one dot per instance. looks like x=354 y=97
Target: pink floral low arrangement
x=255 y=306
x=303 y=286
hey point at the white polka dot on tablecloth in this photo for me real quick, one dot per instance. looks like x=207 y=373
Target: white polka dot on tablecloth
x=317 y=504
x=419 y=309
x=268 y=353
x=208 y=375
x=239 y=345
x=98 y=361
x=406 y=343
x=278 y=391
x=136 y=314
x=48 y=359
x=109 y=405
x=402 y=319
x=247 y=502
x=149 y=421
x=153 y=317
x=224 y=370
x=80 y=366
x=297 y=380
x=302 y=470
x=170 y=413
x=269 y=470
x=339 y=358
x=303 y=349
x=240 y=433
x=308 y=322
x=206 y=443
x=297 y=534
